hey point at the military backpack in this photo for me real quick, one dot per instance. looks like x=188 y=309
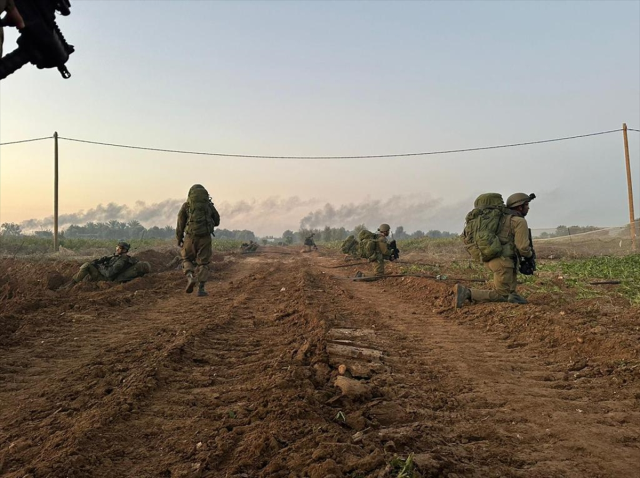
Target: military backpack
x=349 y=245
x=200 y=221
x=482 y=225
x=368 y=244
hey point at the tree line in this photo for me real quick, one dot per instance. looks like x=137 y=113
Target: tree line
x=118 y=230
x=132 y=230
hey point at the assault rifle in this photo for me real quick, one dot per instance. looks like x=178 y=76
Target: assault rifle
x=528 y=264
x=40 y=42
x=395 y=252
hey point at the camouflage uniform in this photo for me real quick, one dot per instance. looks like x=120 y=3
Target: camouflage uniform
x=309 y=243
x=383 y=252
x=196 y=250
x=514 y=236
x=115 y=268
x=249 y=247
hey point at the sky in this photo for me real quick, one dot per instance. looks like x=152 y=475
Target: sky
x=328 y=79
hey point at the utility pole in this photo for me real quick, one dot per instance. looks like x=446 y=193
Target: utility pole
x=56 y=246
x=632 y=217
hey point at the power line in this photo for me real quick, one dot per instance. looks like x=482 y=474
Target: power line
x=25 y=141
x=256 y=156
x=427 y=153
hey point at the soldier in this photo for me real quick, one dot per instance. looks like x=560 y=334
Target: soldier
x=250 y=246
x=120 y=267
x=309 y=243
x=196 y=221
x=513 y=234
x=383 y=251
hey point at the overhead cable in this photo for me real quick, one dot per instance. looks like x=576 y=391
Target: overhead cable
x=256 y=156
x=26 y=140
x=427 y=153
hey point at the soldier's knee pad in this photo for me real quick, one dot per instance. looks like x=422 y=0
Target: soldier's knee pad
x=143 y=267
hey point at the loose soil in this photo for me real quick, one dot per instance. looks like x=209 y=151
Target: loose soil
x=289 y=369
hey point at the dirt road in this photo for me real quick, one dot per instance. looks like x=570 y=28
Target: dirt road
x=143 y=380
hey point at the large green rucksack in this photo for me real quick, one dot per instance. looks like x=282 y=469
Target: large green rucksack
x=482 y=225
x=368 y=244
x=349 y=245
x=200 y=221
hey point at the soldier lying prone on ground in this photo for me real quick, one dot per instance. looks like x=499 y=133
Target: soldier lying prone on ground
x=119 y=267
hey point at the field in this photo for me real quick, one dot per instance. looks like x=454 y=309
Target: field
x=290 y=369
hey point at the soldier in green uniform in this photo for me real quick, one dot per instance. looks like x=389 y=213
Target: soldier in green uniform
x=310 y=243
x=196 y=221
x=382 y=251
x=513 y=234
x=247 y=247
x=120 y=267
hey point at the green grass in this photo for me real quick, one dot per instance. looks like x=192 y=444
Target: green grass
x=403 y=468
x=625 y=269
x=577 y=273
x=427 y=244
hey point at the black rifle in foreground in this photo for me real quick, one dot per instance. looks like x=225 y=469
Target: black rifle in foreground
x=40 y=42
x=528 y=264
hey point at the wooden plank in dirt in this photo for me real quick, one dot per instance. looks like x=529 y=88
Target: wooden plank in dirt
x=353 y=351
x=347 y=333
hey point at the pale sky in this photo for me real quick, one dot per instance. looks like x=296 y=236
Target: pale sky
x=330 y=78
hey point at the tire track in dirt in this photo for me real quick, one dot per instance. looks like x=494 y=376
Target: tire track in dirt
x=512 y=410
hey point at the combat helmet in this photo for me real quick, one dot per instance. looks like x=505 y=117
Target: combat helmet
x=518 y=199
x=384 y=228
x=124 y=245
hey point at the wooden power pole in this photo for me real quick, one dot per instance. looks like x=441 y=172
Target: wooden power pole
x=632 y=217
x=56 y=245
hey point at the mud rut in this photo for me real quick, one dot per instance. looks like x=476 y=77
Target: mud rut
x=241 y=383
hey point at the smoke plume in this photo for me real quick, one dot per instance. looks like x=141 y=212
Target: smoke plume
x=273 y=215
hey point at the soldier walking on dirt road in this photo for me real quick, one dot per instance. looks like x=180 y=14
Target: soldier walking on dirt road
x=515 y=238
x=196 y=221
x=119 y=267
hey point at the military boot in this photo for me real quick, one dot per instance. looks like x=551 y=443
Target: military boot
x=516 y=299
x=201 y=291
x=191 y=283
x=461 y=294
